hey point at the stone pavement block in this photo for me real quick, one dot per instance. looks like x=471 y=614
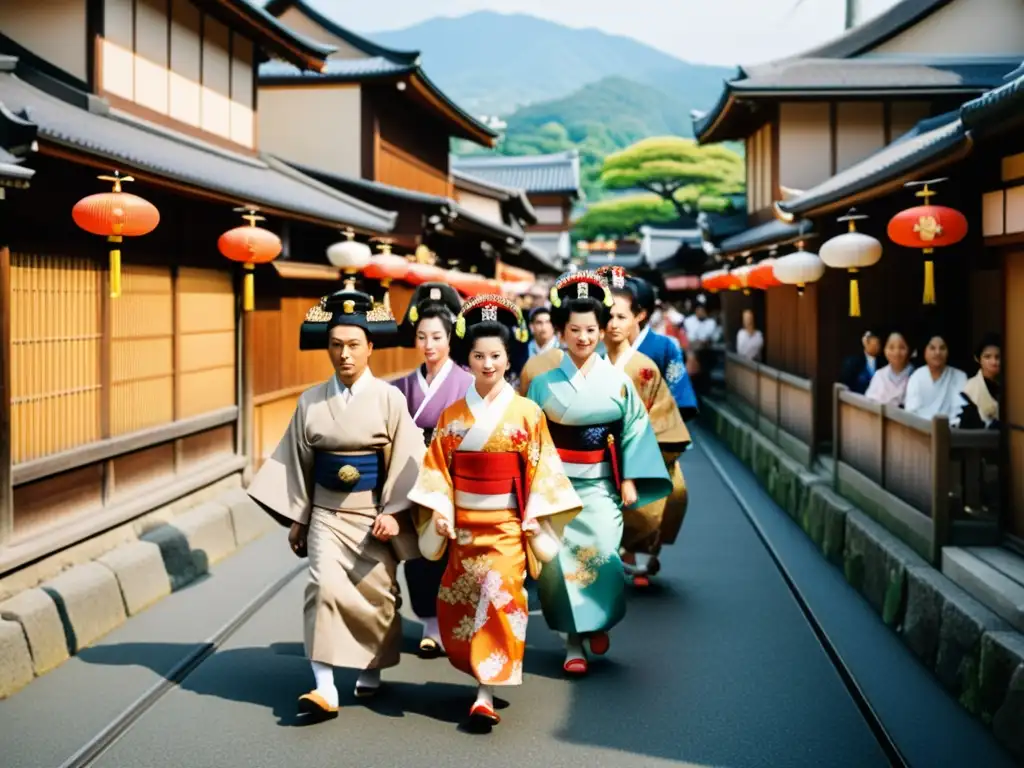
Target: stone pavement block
x=208 y=530
x=40 y=621
x=875 y=563
x=1002 y=654
x=922 y=617
x=89 y=601
x=248 y=520
x=15 y=659
x=823 y=518
x=1008 y=722
x=140 y=574
x=764 y=457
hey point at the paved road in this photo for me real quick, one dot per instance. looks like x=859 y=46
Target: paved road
x=718 y=667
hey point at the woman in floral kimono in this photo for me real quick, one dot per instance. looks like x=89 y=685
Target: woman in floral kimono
x=604 y=437
x=428 y=390
x=493 y=484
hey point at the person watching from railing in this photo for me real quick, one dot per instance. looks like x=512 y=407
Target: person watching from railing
x=978 y=404
x=889 y=384
x=749 y=340
x=934 y=390
x=858 y=370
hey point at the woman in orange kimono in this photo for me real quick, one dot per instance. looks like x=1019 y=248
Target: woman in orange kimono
x=497 y=494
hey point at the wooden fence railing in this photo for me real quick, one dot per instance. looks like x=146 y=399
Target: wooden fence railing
x=781 y=406
x=928 y=483
x=935 y=484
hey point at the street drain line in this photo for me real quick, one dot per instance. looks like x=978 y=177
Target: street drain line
x=871 y=717
x=121 y=724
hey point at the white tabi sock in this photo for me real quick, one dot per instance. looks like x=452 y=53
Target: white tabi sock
x=485 y=696
x=430 y=630
x=574 y=648
x=324 y=674
x=369 y=678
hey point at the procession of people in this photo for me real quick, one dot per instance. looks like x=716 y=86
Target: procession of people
x=477 y=487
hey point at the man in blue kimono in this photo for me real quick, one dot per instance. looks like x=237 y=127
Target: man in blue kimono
x=664 y=351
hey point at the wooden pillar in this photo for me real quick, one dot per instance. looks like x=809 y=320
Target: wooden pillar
x=6 y=485
x=244 y=433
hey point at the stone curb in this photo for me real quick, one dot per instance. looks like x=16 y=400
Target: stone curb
x=139 y=569
x=37 y=614
x=977 y=656
x=42 y=627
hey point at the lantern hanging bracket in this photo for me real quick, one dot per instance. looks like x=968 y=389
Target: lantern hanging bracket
x=117 y=179
x=925 y=193
x=252 y=216
x=852 y=217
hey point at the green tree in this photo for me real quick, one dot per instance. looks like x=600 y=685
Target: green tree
x=623 y=216
x=678 y=170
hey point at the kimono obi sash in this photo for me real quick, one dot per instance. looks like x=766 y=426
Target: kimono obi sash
x=588 y=451
x=348 y=473
x=488 y=481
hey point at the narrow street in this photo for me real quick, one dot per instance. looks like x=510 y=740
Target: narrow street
x=716 y=667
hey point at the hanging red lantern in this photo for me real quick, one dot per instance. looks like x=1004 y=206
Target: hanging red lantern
x=927 y=227
x=250 y=245
x=714 y=281
x=115 y=215
x=385 y=266
x=761 y=275
x=425 y=273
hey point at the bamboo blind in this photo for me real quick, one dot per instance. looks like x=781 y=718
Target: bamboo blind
x=142 y=350
x=205 y=307
x=56 y=337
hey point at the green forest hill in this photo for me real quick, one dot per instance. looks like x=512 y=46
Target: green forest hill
x=559 y=88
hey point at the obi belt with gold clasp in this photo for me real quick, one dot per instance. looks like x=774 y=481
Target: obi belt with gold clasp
x=589 y=452
x=488 y=481
x=348 y=473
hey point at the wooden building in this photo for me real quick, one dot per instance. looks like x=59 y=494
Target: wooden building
x=115 y=407
x=953 y=495
x=551 y=182
x=387 y=142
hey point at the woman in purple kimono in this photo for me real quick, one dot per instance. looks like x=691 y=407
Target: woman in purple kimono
x=428 y=390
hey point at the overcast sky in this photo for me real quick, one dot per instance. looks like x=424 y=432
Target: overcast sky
x=708 y=31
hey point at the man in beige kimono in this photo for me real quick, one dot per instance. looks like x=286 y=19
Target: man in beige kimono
x=340 y=478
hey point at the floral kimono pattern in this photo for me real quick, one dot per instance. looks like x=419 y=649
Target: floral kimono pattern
x=493 y=472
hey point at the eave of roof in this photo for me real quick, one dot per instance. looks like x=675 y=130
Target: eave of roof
x=932 y=144
x=336 y=71
x=107 y=138
x=276 y=8
x=269 y=32
x=765 y=236
x=537 y=260
x=738 y=110
x=519 y=204
x=998 y=110
x=386 y=191
x=878 y=30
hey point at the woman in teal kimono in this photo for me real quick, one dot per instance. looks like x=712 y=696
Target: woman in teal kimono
x=604 y=438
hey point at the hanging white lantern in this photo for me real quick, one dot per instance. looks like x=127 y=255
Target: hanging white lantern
x=851 y=251
x=350 y=256
x=798 y=268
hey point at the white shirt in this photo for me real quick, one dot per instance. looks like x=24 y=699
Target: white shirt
x=700 y=330
x=343 y=393
x=749 y=345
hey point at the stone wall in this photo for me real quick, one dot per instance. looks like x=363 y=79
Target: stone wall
x=977 y=656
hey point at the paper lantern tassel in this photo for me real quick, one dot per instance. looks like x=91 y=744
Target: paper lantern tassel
x=249 y=288
x=929 y=282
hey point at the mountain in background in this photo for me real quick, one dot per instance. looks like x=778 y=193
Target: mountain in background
x=558 y=88
x=494 y=63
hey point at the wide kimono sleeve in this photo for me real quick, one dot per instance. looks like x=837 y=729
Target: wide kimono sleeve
x=405 y=455
x=283 y=487
x=678 y=381
x=669 y=428
x=434 y=491
x=639 y=452
x=536 y=366
x=549 y=492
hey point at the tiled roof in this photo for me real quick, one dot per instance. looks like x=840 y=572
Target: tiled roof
x=337 y=70
x=885 y=26
x=555 y=173
x=539 y=260
x=557 y=244
x=998 y=109
x=659 y=245
x=817 y=74
x=132 y=144
x=765 y=236
x=386 y=191
x=930 y=141
x=519 y=204
x=271 y=34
